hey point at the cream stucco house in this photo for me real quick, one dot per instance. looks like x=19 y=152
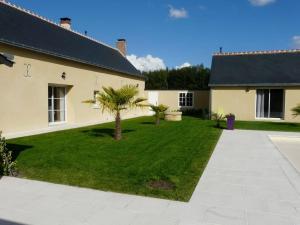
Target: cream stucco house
x=256 y=85
x=47 y=70
x=180 y=99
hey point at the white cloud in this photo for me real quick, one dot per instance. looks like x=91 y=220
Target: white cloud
x=261 y=2
x=184 y=65
x=148 y=63
x=177 y=13
x=296 y=42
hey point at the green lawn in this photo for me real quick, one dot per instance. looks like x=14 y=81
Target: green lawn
x=268 y=126
x=174 y=153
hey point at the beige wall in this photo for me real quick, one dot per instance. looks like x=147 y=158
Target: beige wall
x=242 y=102
x=171 y=99
x=292 y=98
x=23 y=100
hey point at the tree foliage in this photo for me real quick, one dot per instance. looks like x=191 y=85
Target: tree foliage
x=158 y=110
x=117 y=100
x=188 y=78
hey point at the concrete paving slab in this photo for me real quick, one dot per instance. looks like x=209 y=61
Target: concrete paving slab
x=248 y=180
x=289 y=147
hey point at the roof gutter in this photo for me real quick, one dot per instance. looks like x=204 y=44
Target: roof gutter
x=4 y=60
x=68 y=58
x=256 y=85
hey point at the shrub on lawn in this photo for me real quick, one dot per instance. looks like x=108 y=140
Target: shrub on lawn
x=7 y=166
x=218 y=117
x=117 y=100
x=158 y=110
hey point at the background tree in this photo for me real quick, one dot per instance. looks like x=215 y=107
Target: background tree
x=158 y=110
x=296 y=110
x=117 y=100
x=188 y=78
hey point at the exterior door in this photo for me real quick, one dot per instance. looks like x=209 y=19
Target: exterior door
x=56 y=104
x=269 y=103
x=152 y=99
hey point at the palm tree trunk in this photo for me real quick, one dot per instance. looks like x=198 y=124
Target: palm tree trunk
x=118 y=129
x=157 y=121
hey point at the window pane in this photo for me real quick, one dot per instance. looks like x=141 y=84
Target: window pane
x=59 y=92
x=56 y=104
x=276 y=104
x=189 y=99
x=181 y=101
x=262 y=103
x=96 y=95
x=50 y=104
x=50 y=120
x=49 y=92
x=59 y=116
x=59 y=104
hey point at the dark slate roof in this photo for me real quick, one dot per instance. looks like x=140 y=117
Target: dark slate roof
x=4 y=60
x=26 y=30
x=274 y=68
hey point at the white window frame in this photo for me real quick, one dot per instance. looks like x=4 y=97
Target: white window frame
x=185 y=93
x=269 y=103
x=65 y=105
x=96 y=105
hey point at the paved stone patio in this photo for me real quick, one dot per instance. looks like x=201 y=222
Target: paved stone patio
x=247 y=182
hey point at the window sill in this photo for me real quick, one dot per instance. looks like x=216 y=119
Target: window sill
x=186 y=107
x=95 y=107
x=57 y=123
x=269 y=119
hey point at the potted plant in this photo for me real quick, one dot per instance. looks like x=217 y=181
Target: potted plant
x=174 y=115
x=218 y=117
x=230 y=121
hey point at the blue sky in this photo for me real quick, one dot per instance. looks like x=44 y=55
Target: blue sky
x=179 y=31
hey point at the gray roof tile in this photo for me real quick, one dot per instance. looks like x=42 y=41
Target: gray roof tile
x=280 y=68
x=24 y=30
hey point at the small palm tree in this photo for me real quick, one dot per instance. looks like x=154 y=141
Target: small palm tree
x=158 y=110
x=117 y=100
x=218 y=117
x=296 y=110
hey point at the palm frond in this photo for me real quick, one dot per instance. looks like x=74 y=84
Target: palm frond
x=116 y=100
x=89 y=101
x=296 y=110
x=159 y=108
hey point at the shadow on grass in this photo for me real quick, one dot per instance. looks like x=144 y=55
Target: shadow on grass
x=195 y=116
x=285 y=124
x=103 y=132
x=17 y=149
x=148 y=123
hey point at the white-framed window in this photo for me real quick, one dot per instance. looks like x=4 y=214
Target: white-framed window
x=269 y=103
x=97 y=103
x=186 y=99
x=56 y=104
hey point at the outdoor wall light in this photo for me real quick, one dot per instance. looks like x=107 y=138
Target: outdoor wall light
x=63 y=76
